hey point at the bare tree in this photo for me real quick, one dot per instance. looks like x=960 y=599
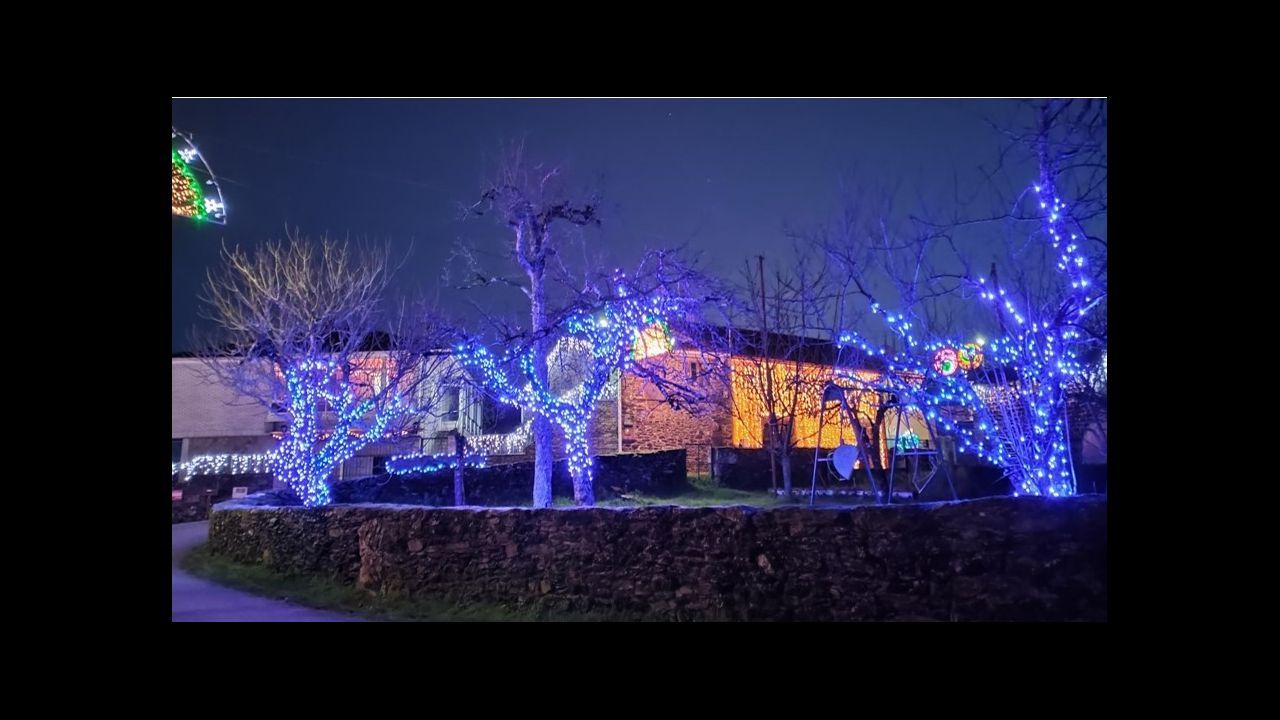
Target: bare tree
x=872 y=257
x=298 y=330
x=532 y=202
x=1034 y=299
x=593 y=342
x=783 y=357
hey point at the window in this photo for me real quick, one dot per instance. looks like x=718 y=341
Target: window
x=693 y=371
x=380 y=465
x=452 y=400
x=177 y=450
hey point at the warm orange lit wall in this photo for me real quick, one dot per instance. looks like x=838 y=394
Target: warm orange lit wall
x=369 y=373
x=651 y=423
x=735 y=412
x=798 y=387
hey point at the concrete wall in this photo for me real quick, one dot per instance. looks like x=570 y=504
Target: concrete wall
x=204 y=408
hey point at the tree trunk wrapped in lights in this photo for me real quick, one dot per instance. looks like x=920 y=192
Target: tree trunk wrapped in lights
x=297 y=331
x=531 y=202
x=543 y=216
x=601 y=342
x=1016 y=387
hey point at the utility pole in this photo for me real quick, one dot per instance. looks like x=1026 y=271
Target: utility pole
x=460 y=450
x=772 y=431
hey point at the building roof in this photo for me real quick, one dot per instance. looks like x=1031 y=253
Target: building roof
x=779 y=346
x=376 y=341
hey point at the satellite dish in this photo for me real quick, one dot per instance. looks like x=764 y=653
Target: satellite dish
x=843 y=458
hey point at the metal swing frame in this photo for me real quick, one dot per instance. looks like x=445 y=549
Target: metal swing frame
x=836 y=393
x=934 y=455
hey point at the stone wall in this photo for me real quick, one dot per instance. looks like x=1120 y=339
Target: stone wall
x=994 y=559
x=603 y=434
x=650 y=422
x=1087 y=419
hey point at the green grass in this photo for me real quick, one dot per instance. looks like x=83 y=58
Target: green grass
x=705 y=491
x=329 y=594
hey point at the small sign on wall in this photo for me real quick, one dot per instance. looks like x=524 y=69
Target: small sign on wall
x=239 y=492
x=177 y=495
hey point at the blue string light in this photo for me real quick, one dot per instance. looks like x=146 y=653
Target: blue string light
x=308 y=453
x=1020 y=421
x=609 y=335
x=424 y=464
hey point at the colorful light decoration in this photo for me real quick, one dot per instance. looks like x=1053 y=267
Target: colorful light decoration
x=309 y=451
x=610 y=336
x=969 y=356
x=945 y=362
x=907 y=441
x=652 y=341
x=518 y=440
x=1019 y=414
x=195 y=191
x=512 y=443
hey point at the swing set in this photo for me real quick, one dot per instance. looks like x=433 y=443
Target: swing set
x=843 y=458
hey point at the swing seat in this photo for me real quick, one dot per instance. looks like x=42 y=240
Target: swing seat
x=842 y=459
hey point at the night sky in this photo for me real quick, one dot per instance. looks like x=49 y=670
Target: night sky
x=724 y=177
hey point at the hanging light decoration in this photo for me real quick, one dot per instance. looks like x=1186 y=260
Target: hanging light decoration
x=1019 y=402
x=195 y=191
x=969 y=356
x=227 y=464
x=945 y=362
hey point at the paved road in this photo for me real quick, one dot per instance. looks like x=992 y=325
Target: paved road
x=198 y=600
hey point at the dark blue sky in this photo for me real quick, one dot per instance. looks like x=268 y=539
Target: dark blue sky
x=723 y=176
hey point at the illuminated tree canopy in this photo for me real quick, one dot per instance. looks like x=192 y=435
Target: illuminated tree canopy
x=195 y=191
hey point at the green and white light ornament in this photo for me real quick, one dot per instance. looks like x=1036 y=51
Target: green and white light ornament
x=195 y=190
